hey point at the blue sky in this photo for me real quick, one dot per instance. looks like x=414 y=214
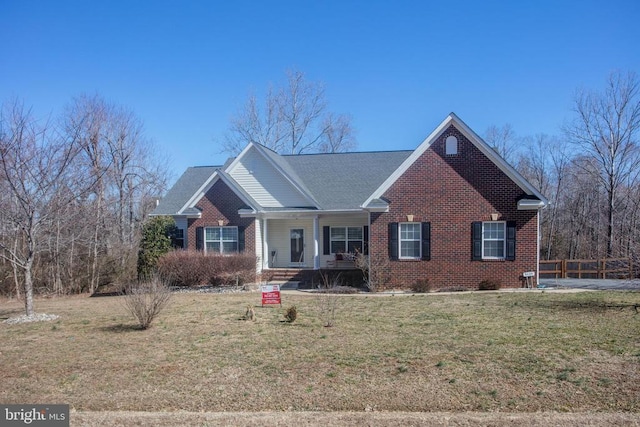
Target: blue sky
x=397 y=67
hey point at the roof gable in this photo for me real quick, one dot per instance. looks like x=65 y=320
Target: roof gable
x=268 y=179
x=490 y=153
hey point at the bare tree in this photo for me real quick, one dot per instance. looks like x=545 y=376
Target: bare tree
x=338 y=135
x=544 y=163
x=502 y=140
x=127 y=173
x=36 y=166
x=294 y=120
x=606 y=128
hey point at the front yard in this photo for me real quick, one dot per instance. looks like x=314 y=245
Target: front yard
x=507 y=352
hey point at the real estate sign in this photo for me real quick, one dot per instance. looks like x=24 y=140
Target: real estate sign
x=271 y=294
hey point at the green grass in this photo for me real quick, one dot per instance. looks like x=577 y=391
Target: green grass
x=461 y=352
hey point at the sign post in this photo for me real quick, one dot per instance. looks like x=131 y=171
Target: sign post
x=529 y=277
x=271 y=295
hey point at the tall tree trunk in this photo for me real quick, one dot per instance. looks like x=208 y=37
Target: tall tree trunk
x=28 y=287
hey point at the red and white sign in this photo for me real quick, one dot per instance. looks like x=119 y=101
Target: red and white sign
x=271 y=294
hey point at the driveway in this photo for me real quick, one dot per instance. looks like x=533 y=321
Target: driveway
x=592 y=284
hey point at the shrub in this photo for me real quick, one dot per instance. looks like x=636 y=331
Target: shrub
x=146 y=299
x=184 y=268
x=489 y=285
x=375 y=270
x=235 y=270
x=328 y=298
x=422 y=286
x=291 y=314
x=191 y=268
x=156 y=241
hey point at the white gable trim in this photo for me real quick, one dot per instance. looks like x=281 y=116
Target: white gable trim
x=478 y=142
x=260 y=149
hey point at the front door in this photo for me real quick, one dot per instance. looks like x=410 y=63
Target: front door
x=297 y=246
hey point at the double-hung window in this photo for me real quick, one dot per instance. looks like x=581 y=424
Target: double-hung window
x=493 y=240
x=346 y=239
x=221 y=239
x=410 y=240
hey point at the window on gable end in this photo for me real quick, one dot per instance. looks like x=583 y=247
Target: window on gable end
x=451 y=146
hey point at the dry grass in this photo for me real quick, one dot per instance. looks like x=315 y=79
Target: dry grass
x=507 y=352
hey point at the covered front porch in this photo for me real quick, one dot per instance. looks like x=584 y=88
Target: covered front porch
x=311 y=241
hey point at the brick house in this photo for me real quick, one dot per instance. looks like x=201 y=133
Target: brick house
x=452 y=210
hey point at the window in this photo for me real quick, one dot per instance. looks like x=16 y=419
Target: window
x=221 y=239
x=177 y=238
x=346 y=239
x=410 y=240
x=493 y=240
x=451 y=146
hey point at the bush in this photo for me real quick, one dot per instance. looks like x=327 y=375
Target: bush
x=489 y=285
x=146 y=299
x=191 y=268
x=422 y=286
x=156 y=241
x=291 y=314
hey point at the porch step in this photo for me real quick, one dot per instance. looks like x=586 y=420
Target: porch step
x=285 y=274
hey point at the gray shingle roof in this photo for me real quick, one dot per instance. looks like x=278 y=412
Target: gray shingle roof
x=345 y=180
x=335 y=181
x=186 y=186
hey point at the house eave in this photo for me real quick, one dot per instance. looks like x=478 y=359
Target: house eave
x=530 y=204
x=285 y=213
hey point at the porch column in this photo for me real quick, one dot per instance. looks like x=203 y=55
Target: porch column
x=316 y=243
x=265 y=244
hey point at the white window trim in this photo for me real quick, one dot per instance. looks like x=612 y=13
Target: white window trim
x=504 y=240
x=221 y=241
x=346 y=237
x=400 y=240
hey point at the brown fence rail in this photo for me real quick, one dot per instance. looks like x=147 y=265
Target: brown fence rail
x=606 y=268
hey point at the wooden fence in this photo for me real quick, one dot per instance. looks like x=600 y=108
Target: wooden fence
x=606 y=268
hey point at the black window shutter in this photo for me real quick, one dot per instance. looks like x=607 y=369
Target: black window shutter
x=326 y=240
x=511 y=241
x=365 y=240
x=476 y=240
x=426 y=241
x=393 y=240
x=199 y=238
x=241 y=240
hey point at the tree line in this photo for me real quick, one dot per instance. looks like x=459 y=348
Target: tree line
x=590 y=172
x=74 y=192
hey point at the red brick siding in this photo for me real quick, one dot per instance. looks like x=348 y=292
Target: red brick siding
x=220 y=203
x=451 y=192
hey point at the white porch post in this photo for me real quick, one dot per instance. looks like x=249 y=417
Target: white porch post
x=265 y=244
x=316 y=243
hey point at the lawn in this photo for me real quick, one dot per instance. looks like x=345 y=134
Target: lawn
x=508 y=352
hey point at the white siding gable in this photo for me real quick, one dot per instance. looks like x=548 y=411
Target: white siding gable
x=264 y=183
